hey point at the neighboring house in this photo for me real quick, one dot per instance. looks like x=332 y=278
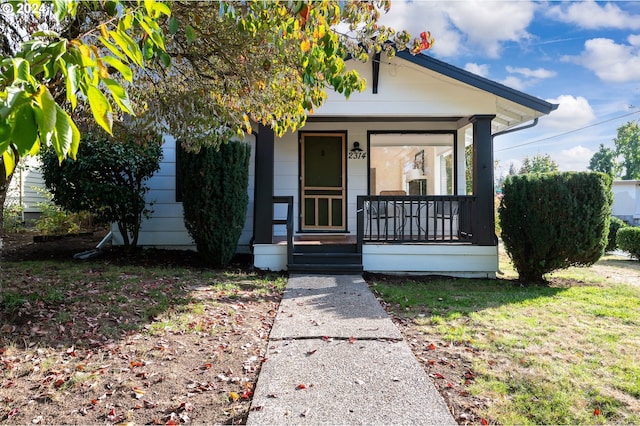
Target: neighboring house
x=24 y=187
x=626 y=201
x=376 y=182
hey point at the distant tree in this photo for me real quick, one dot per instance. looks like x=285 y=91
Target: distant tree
x=604 y=160
x=628 y=150
x=539 y=164
x=512 y=169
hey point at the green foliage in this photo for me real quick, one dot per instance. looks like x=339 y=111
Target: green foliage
x=615 y=225
x=268 y=62
x=555 y=220
x=126 y=36
x=54 y=220
x=12 y=218
x=538 y=164
x=628 y=239
x=108 y=179
x=628 y=149
x=604 y=161
x=214 y=189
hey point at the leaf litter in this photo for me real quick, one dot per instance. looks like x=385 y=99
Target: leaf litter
x=152 y=346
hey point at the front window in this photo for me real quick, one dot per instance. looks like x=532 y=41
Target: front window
x=412 y=163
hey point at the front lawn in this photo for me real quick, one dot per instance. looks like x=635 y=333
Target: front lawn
x=505 y=353
x=98 y=342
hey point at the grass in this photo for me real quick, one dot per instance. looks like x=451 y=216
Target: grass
x=567 y=353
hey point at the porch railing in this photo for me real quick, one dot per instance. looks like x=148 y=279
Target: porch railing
x=288 y=222
x=415 y=218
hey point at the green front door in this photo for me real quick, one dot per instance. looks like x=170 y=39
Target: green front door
x=323 y=182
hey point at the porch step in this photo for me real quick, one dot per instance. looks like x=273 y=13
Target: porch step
x=326 y=259
x=326 y=268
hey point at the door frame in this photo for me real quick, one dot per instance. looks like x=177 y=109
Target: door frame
x=322 y=229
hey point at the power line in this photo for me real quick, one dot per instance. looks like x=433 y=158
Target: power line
x=566 y=133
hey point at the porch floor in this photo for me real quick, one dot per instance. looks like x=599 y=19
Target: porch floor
x=317 y=240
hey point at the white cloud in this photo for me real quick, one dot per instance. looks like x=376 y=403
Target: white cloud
x=528 y=72
x=479 y=69
x=611 y=61
x=487 y=24
x=572 y=113
x=416 y=17
x=514 y=82
x=465 y=26
x=591 y=15
x=574 y=159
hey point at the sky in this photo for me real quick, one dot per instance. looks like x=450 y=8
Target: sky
x=582 y=55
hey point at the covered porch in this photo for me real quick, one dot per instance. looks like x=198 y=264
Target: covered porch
x=404 y=173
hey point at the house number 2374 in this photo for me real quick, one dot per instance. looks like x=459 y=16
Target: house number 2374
x=357 y=155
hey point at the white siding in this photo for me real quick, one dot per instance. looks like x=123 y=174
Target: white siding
x=406 y=89
x=165 y=227
x=626 y=200
x=24 y=184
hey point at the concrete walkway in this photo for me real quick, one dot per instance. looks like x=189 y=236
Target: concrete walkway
x=335 y=357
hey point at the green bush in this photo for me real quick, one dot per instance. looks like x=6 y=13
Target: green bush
x=214 y=196
x=555 y=220
x=108 y=179
x=615 y=225
x=628 y=239
x=12 y=218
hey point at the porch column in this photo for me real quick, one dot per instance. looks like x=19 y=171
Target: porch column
x=484 y=230
x=263 y=193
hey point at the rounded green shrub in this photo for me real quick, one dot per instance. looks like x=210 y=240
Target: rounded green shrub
x=555 y=220
x=628 y=239
x=614 y=226
x=214 y=184
x=108 y=179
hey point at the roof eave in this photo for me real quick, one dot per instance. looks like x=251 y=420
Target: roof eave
x=479 y=82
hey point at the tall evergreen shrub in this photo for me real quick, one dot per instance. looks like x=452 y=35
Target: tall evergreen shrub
x=555 y=220
x=214 y=196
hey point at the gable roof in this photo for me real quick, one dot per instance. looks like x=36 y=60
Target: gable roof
x=514 y=107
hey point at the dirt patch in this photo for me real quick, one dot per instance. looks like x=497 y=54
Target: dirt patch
x=80 y=346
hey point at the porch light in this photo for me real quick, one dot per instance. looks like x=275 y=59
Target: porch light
x=356 y=147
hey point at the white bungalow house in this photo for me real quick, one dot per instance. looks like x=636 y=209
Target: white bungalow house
x=626 y=201
x=24 y=189
x=374 y=183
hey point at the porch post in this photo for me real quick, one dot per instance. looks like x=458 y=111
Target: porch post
x=263 y=193
x=484 y=229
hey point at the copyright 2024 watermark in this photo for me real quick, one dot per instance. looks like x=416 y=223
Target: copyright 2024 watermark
x=23 y=8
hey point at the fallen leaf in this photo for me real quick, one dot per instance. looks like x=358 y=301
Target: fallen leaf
x=432 y=347
x=352 y=339
x=484 y=422
x=596 y=412
x=311 y=352
x=233 y=396
x=301 y=386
